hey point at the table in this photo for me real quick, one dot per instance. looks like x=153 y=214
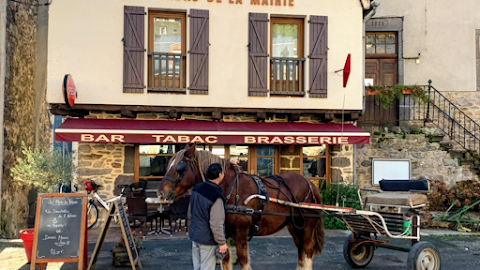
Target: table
x=162 y=207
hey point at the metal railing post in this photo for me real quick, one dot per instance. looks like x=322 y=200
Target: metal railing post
x=428 y=103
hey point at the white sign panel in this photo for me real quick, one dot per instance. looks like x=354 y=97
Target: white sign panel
x=390 y=169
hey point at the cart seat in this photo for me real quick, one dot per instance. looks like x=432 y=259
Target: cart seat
x=397 y=199
x=399 y=193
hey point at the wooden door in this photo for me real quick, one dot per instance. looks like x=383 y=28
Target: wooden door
x=380 y=65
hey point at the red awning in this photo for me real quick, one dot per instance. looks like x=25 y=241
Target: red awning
x=207 y=132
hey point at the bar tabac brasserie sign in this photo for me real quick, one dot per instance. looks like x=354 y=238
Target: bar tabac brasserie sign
x=205 y=139
x=173 y=132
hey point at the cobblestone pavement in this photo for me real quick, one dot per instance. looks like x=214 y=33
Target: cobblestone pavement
x=279 y=253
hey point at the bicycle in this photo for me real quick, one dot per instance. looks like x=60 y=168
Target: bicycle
x=92 y=210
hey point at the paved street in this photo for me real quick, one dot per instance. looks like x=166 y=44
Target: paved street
x=276 y=253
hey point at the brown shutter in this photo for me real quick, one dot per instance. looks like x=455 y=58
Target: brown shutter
x=133 y=49
x=199 y=51
x=257 y=54
x=318 y=56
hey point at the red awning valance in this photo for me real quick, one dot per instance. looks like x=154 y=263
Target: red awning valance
x=207 y=132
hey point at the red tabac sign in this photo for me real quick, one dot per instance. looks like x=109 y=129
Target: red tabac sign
x=69 y=90
x=346 y=71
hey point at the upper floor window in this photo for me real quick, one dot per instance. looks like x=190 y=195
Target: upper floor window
x=286 y=62
x=166 y=52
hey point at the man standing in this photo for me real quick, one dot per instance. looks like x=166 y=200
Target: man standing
x=207 y=220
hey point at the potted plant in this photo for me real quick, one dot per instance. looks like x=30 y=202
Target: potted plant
x=386 y=95
x=418 y=94
x=119 y=251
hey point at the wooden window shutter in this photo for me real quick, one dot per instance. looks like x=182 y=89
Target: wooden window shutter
x=199 y=51
x=133 y=49
x=318 y=56
x=257 y=54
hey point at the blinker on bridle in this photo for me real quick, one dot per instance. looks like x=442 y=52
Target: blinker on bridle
x=181 y=169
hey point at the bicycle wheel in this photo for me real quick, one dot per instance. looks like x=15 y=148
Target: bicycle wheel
x=92 y=214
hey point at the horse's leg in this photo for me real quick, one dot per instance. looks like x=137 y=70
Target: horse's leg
x=227 y=260
x=240 y=239
x=297 y=239
x=309 y=242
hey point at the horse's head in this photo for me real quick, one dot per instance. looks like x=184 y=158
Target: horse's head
x=182 y=174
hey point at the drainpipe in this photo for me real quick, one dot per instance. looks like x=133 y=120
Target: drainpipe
x=365 y=19
x=3 y=66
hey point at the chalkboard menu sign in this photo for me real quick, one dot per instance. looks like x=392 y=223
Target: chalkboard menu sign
x=126 y=229
x=60 y=228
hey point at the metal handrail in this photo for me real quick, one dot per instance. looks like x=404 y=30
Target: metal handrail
x=287 y=73
x=168 y=67
x=452 y=120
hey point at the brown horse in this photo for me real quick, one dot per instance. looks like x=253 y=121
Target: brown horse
x=187 y=168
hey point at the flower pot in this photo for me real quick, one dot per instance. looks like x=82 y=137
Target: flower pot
x=120 y=257
x=27 y=238
x=372 y=92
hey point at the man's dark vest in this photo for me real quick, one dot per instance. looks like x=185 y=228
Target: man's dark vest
x=203 y=197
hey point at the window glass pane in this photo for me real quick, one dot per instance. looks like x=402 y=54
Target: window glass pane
x=285 y=40
x=380 y=48
x=236 y=150
x=370 y=38
x=153 y=165
x=239 y=155
x=267 y=150
x=314 y=150
x=241 y=161
x=380 y=38
x=265 y=166
x=157 y=149
x=314 y=167
x=370 y=48
x=218 y=150
x=167 y=34
x=390 y=48
x=201 y=147
x=390 y=38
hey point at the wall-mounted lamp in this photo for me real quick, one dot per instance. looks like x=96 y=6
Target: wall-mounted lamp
x=417 y=59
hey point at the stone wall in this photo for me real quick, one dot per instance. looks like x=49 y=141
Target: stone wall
x=341 y=163
x=109 y=165
x=468 y=102
x=19 y=124
x=428 y=160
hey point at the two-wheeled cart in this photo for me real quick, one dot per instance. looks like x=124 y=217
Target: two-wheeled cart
x=372 y=229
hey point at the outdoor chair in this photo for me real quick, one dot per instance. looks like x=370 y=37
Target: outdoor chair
x=178 y=212
x=138 y=211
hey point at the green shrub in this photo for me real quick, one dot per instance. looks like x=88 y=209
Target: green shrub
x=347 y=197
x=44 y=169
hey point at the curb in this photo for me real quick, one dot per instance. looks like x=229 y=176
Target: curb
x=16 y=242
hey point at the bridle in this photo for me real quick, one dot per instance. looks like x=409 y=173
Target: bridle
x=181 y=169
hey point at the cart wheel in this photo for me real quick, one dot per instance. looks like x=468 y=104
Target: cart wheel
x=423 y=256
x=359 y=257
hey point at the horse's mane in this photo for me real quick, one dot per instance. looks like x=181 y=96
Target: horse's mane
x=205 y=158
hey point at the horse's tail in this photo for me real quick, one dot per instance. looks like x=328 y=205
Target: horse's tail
x=319 y=232
x=319 y=236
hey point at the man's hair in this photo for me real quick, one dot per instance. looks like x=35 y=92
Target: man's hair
x=214 y=171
